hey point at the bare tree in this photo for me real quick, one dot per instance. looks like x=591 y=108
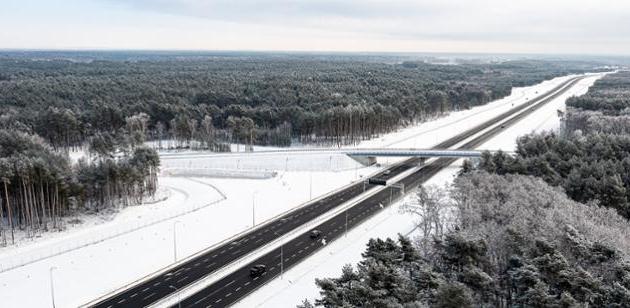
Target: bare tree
x=431 y=207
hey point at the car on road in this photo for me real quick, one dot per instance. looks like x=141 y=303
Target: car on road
x=315 y=234
x=257 y=270
x=387 y=172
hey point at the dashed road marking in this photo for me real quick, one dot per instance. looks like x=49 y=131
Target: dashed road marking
x=209 y=265
x=149 y=296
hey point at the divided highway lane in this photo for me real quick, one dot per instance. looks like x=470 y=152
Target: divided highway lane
x=166 y=283
x=238 y=284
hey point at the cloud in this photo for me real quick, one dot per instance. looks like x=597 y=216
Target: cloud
x=565 y=26
x=403 y=19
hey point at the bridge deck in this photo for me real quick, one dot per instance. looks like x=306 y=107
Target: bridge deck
x=412 y=152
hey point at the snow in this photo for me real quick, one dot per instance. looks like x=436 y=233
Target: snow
x=298 y=283
x=281 y=161
x=100 y=267
x=104 y=254
x=218 y=173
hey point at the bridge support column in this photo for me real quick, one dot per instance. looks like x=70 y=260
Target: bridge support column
x=364 y=160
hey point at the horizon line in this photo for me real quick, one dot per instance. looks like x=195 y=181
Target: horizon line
x=297 y=51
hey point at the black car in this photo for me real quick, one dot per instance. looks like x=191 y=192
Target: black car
x=257 y=270
x=315 y=234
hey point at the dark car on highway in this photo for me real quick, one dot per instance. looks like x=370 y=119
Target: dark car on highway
x=315 y=234
x=257 y=270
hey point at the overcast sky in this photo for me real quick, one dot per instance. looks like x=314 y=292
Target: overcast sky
x=492 y=26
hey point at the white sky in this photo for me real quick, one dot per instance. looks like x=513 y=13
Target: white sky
x=534 y=26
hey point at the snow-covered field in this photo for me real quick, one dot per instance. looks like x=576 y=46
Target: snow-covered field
x=111 y=254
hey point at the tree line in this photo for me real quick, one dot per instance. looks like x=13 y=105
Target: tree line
x=310 y=100
x=39 y=186
x=604 y=109
x=590 y=162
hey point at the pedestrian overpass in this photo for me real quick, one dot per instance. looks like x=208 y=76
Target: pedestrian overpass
x=368 y=157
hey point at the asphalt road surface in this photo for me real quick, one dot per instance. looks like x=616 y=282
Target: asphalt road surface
x=225 y=291
x=238 y=284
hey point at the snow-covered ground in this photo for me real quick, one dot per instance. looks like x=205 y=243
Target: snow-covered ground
x=298 y=283
x=424 y=135
x=111 y=254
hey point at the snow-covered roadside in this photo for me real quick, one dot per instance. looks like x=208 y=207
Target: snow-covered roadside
x=89 y=272
x=423 y=135
x=298 y=283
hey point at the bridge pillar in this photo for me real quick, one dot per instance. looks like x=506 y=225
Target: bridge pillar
x=364 y=160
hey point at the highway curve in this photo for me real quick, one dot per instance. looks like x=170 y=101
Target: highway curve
x=152 y=289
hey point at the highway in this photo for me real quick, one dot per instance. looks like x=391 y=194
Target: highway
x=238 y=283
x=229 y=289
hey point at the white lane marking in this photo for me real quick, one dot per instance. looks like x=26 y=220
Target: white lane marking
x=148 y=296
x=200 y=300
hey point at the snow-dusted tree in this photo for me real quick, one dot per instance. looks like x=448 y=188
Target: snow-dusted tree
x=429 y=207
